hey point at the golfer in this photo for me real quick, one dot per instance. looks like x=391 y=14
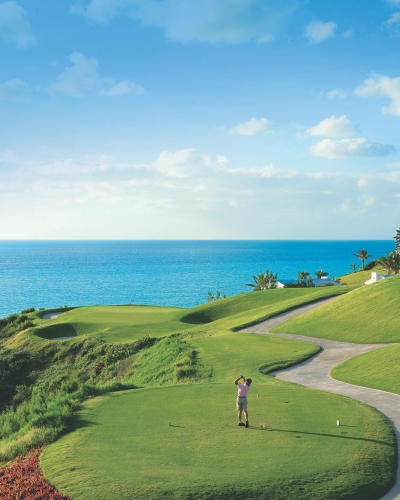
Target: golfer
x=241 y=401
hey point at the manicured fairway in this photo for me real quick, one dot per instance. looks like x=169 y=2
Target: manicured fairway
x=366 y=315
x=123 y=448
x=129 y=323
x=377 y=369
x=115 y=323
x=230 y=354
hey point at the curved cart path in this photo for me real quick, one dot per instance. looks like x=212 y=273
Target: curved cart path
x=315 y=373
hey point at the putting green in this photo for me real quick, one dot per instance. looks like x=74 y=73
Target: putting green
x=130 y=323
x=114 y=323
x=123 y=448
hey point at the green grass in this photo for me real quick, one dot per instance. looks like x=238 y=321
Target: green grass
x=114 y=323
x=360 y=277
x=366 y=315
x=378 y=369
x=129 y=323
x=122 y=446
x=248 y=354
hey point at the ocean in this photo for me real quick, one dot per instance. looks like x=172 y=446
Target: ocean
x=180 y=273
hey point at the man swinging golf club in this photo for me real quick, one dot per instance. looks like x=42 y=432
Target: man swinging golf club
x=241 y=401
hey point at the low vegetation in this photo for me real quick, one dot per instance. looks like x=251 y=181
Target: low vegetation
x=24 y=480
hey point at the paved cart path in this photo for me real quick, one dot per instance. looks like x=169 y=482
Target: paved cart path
x=315 y=373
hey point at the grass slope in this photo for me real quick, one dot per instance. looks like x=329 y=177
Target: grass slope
x=123 y=447
x=130 y=323
x=379 y=369
x=366 y=315
x=114 y=323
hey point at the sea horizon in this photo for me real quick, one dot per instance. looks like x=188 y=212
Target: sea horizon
x=54 y=273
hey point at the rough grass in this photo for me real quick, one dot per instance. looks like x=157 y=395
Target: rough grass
x=122 y=446
x=378 y=369
x=365 y=315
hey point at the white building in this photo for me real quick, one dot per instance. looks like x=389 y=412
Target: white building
x=316 y=282
x=377 y=277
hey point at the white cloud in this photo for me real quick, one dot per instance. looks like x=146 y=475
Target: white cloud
x=334 y=127
x=83 y=77
x=15 y=90
x=393 y=24
x=210 y=21
x=122 y=88
x=348 y=33
x=253 y=127
x=336 y=94
x=318 y=31
x=395 y=164
x=351 y=148
x=394 y=19
x=14 y=25
x=394 y=2
x=189 y=194
x=382 y=86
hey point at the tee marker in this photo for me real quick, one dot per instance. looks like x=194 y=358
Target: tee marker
x=337 y=422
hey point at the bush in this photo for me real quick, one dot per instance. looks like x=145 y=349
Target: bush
x=29 y=310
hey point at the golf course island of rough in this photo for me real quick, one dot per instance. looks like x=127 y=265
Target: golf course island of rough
x=123 y=402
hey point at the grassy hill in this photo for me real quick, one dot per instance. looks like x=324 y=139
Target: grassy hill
x=130 y=323
x=379 y=369
x=182 y=363
x=366 y=315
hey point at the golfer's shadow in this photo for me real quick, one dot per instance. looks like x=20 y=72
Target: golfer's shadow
x=270 y=429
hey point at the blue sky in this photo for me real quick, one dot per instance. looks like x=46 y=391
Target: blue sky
x=199 y=119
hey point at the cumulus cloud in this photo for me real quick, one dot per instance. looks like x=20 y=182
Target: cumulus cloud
x=15 y=90
x=253 y=127
x=318 y=31
x=83 y=77
x=208 y=21
x=336 y=94
x=188 y=194
x=334 y=127
x=351 y=148
x=382 y=86
x=14 y=25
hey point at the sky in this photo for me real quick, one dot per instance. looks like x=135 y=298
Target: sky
x=199 y=119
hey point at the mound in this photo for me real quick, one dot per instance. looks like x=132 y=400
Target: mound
x=114 y=323
x=365 y=315
x=219 y=309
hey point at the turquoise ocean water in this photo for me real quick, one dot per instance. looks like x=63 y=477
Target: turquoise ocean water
x=180 y=273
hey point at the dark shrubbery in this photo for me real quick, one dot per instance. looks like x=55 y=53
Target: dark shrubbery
x=40 y=388
x=14 y=323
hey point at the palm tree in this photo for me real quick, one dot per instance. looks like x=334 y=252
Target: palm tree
x=353 y=267
x=362 y=255
x=319 y=274
x=397 y=240
x=391 y=263
x=263 y=281
x=302 y=276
